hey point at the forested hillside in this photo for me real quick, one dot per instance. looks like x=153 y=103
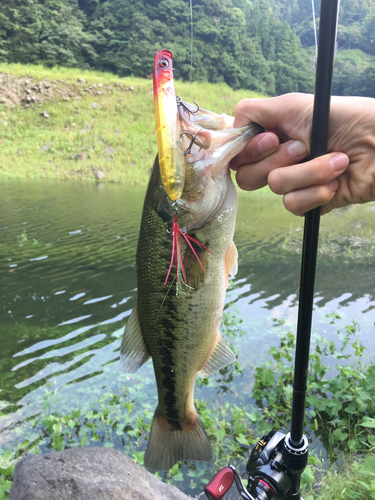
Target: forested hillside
x=354 y=72
x=255 y=45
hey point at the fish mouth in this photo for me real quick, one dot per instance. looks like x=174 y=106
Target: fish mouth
x=209 y=141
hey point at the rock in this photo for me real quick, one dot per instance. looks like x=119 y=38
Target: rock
x=100 y=174
x=46 y=147
x=94 y=105
x=87 y=474
x=45 y=114
x=131 y=88
x=81 y=156
x=81 y=80
x=108 y=150
x=46 y=85
x=100 y=85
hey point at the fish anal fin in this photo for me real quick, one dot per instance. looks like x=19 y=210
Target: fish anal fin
x=221 y=356
x=194 y=273
x=134 y=351
x=168 y=445
x=231 y=262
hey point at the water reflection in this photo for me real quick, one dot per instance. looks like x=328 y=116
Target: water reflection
x=68 y=284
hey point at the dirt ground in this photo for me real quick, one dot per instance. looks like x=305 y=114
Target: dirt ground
x=27 y=90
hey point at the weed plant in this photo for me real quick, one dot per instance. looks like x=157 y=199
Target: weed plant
x=340 y=414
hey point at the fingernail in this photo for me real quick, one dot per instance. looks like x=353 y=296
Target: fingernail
x=297 y=149
x=334 y=185
x=339 y=162
x=267 y=143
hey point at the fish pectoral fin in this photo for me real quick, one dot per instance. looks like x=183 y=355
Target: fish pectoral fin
x=231 y=262
x=134 y=351
x=168 y=445
x=221 y=356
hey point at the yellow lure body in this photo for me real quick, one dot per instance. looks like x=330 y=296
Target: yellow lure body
x=168 y=128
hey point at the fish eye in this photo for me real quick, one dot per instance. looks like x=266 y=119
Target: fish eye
x=164 y=63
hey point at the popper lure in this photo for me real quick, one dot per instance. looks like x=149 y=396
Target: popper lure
x=170 y=150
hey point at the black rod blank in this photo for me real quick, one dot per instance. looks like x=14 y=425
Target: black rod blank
x=319 y=140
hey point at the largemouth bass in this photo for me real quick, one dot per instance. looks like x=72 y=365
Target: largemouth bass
x=180 y=331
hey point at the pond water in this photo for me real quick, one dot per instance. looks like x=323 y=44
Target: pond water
x=68 y=285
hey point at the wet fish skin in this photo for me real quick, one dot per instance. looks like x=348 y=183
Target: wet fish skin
x=181 y=331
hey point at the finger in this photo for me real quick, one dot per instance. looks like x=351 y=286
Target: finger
x=290 y=114
x=260 y=146
x=321 y=170
x=254 y=176
x=303 y=200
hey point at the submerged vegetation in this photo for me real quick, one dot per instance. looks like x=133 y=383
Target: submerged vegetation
x=340 y=414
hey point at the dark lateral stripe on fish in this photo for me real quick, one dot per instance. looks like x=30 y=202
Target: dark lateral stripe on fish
x=168 y=354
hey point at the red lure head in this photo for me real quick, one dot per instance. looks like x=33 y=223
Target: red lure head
x=163 y=69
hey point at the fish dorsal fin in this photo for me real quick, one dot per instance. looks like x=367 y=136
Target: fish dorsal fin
x=195 y=275
x=134 y=351
x=221 y=356
x=231 y=262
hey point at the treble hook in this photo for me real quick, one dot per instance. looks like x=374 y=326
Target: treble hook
x=180 y=102
x=194 y=140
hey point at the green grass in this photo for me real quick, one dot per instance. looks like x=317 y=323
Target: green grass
x=113 y=132
x=354 y=480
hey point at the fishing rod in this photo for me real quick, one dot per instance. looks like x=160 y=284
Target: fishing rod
x=277 y=461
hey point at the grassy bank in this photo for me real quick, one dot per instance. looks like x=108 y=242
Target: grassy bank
x=68 y=124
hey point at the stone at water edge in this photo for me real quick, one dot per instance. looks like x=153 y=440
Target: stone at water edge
x=87 y=474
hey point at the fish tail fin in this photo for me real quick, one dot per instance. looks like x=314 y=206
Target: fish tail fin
x=168 y=445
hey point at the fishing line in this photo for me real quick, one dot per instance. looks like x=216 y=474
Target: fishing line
x=191 y=43
x=316 y=38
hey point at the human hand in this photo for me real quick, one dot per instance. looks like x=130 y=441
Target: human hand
x=274 y=157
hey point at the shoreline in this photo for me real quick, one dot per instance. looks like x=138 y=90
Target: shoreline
x=64 y=123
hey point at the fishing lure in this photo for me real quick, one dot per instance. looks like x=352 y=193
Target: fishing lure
x=168 y=129
x=170 y=150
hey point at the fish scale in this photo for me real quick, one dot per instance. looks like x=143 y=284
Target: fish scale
x=177 y=324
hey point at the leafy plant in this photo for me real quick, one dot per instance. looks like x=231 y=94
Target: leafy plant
x=340 y=411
